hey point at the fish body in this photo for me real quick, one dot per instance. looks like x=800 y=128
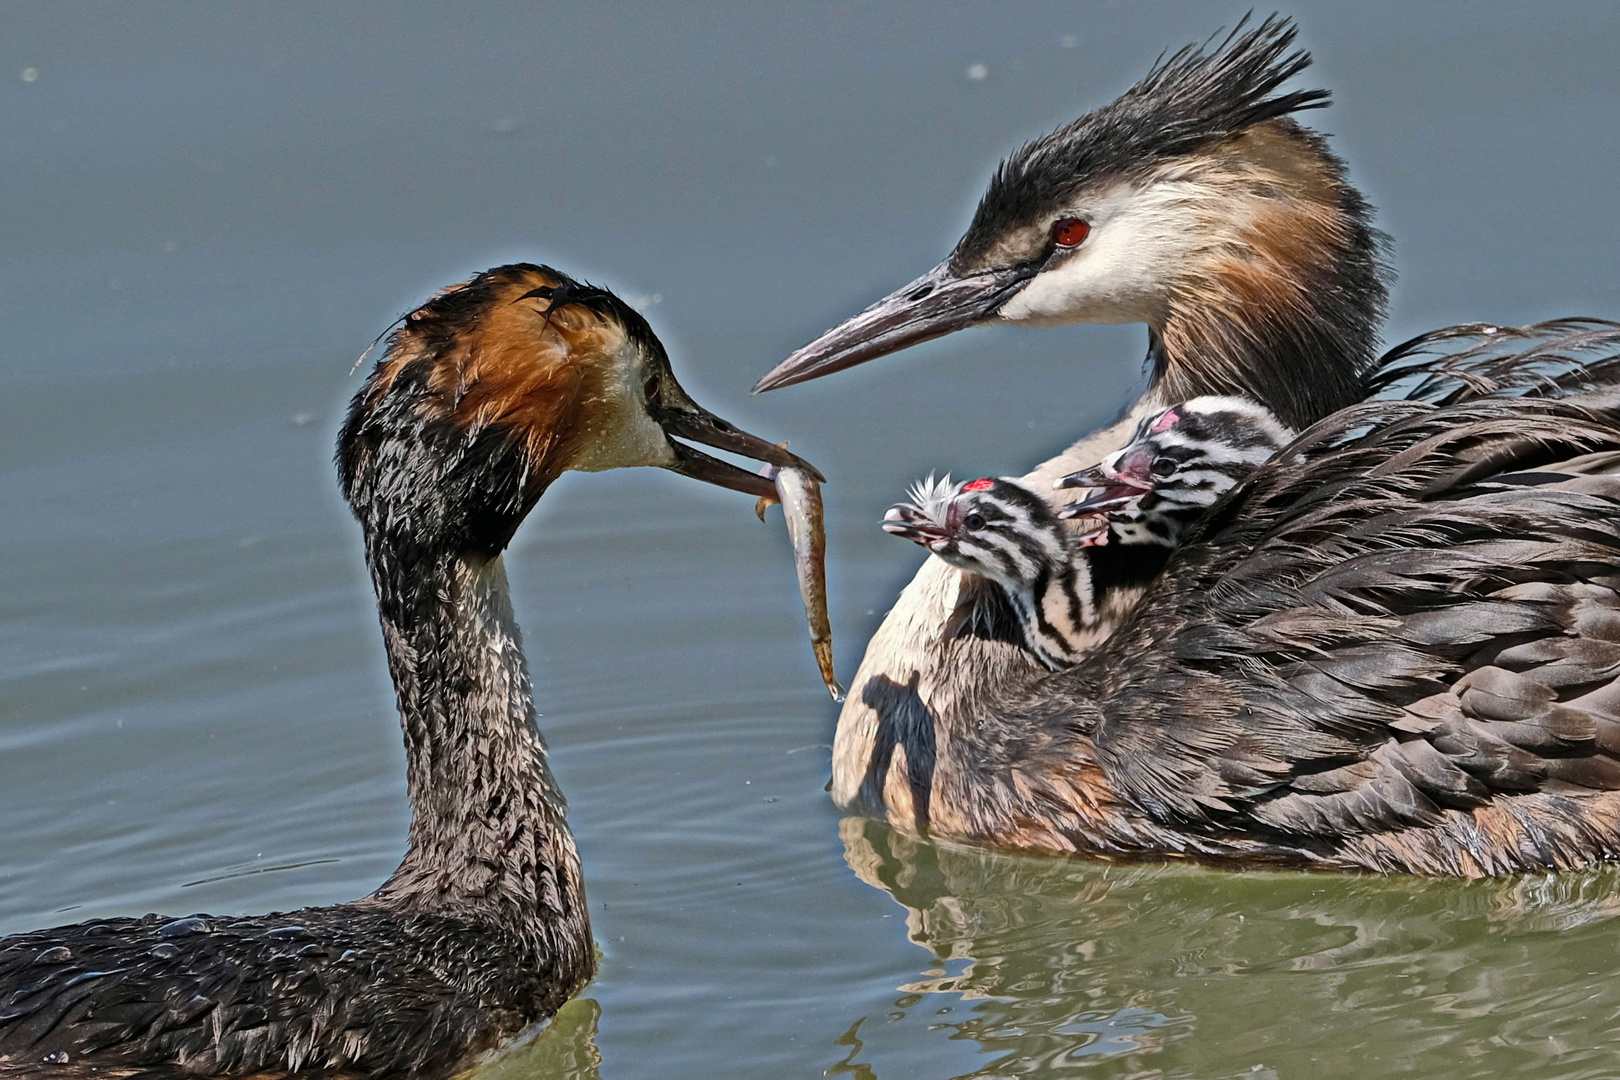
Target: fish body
x=800 y=496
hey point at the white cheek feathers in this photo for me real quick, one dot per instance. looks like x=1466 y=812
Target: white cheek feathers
x=621 y=433
x=1141 y=242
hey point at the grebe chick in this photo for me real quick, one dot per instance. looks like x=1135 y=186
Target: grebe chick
x=1051 y=577
x=1177 y=464
x=1008 y=536
x=486 y=394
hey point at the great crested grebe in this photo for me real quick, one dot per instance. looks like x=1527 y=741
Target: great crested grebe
x=487 y=393
x=1047 y=583
x=1196 y=204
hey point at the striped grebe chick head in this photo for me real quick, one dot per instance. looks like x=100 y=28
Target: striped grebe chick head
x=1006 y=533
x=1178 y=464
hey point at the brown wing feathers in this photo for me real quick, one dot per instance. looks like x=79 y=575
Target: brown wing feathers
x=1476 y=360
x=1372 y=642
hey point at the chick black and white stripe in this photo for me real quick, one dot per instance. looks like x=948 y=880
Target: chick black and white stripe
x=1007 y=534
x=1185 y=458
x=1181 y=461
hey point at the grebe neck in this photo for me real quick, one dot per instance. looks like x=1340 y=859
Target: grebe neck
x=1284 y=304
x=1057 y=611
x=488 y=837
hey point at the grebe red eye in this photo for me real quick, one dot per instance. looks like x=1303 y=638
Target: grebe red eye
x=649 y=389
x=1070 y=231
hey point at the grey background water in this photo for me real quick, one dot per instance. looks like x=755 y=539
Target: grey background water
x=210 y=209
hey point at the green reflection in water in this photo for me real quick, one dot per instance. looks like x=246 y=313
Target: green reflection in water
x=564 y=1049
x=1051 y=967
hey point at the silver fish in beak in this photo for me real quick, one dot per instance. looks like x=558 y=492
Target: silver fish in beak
x=800 y=496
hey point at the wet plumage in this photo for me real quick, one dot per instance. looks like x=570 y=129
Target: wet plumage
x=1396 y=647
x=486 y=395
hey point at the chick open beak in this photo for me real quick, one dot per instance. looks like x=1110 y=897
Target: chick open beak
x=908 y=522
x=688 y=420
x=1110 y=491
x=934 y=305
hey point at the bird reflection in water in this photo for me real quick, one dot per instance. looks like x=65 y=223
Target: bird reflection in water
x=1054 y=967
x=565 y=1049
x=1035 y=994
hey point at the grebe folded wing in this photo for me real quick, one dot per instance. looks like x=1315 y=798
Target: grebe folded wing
x=1369 y=659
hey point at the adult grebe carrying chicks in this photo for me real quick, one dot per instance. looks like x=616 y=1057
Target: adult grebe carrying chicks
x=1400 y=652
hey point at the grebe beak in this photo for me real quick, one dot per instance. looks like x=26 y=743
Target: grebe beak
x=689 y=420
x=1110 y=491
x=907 y=522
x=934 y=305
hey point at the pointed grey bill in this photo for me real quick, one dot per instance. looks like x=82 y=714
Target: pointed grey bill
x=934 y=305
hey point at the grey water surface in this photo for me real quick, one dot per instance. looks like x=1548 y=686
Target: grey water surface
x=209 y=210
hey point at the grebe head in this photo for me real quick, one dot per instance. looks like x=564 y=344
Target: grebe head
x=498 y=385
x=993 y=527
x=1195 y=204
x=1001 y=532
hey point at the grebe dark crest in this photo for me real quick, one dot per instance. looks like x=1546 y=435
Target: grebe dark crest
x=1196 y=204
x=487 y=393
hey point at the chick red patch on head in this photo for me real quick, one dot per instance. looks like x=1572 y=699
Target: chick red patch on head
x=984 y=483
x=1167 y=420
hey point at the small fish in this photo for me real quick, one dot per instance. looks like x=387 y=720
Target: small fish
x=800 y=497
